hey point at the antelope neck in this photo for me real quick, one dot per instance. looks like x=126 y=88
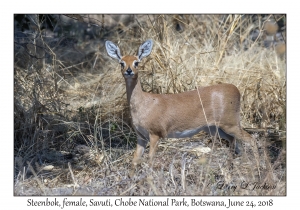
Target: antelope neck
x=132 y=84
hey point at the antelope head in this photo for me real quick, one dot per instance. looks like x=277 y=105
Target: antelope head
x=129 y=63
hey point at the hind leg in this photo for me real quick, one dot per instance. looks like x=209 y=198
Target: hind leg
x=232 y=141
x=243 y=135
x=238 y=133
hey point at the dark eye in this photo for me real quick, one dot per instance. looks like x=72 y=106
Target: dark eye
x=136 y=64
x=122 y=65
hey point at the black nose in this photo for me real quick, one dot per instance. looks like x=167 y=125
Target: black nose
x=129 y=71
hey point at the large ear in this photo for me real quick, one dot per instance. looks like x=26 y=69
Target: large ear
x=145 y=49
x=113 y=50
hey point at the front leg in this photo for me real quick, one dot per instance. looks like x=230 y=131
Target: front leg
x=140 y=148
x=154 y=140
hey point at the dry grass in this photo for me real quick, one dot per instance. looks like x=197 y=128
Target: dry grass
x=72 y=124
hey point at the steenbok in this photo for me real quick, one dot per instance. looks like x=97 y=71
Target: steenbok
x=212 y=109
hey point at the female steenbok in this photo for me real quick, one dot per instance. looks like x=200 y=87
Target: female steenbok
x=212 y=109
